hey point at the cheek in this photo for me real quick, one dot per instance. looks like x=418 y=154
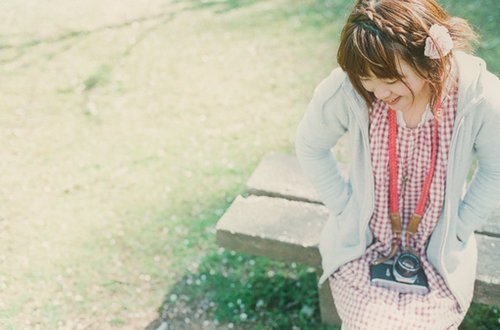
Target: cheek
x=403 y=90
x=416 y=85
x=366 y=86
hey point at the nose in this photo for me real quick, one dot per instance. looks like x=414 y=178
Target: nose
x=382 y=92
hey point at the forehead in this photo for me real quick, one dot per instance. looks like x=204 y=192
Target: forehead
x=400 y=70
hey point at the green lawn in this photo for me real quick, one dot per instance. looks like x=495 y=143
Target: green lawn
x=127 y=130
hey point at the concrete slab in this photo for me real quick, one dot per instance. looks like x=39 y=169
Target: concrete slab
x=274 y=227
x=280 y=175
x=487 y=286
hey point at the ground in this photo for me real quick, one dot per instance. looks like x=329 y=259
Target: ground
x=126 y=130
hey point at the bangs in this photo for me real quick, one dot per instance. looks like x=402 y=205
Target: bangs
x=367 y=53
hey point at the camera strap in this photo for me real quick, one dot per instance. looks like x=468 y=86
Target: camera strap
x=394 y=214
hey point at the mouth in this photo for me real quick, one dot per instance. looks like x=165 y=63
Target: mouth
x=393 y=101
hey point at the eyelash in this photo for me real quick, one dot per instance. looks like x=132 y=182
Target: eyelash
x=387 y=82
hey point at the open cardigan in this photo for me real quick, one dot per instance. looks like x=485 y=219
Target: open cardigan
x=337 y=109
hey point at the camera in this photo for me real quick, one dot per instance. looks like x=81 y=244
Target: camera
x=404 y=274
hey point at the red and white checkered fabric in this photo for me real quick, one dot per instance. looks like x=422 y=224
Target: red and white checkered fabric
x=363 y=306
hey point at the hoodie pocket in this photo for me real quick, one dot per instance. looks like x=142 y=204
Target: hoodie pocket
x=459 y=243
x=348 y=225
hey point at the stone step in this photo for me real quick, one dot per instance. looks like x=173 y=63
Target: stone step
x=273 y=227
x=289 y=231
x=487 y=286
x=279 y=175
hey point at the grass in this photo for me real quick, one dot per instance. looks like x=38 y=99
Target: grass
x=126 y=131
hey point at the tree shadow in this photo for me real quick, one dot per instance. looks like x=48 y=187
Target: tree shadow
x=480 y=317
x=246 y=292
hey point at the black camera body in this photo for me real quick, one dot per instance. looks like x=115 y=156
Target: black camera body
x=405 y=274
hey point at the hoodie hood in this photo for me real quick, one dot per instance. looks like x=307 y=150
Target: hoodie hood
x=473 y=82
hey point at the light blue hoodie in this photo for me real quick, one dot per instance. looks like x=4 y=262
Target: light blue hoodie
x=337 y=109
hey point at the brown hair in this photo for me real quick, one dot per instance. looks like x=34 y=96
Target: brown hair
x=380 y=32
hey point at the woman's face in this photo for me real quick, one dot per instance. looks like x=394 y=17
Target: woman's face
x=395 y=93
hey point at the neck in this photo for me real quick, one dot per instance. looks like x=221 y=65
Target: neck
x=413 y=115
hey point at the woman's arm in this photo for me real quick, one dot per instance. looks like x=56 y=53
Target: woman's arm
x=483 y=194
x=325 y=121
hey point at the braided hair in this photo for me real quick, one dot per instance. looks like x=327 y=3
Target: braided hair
x=380 y=33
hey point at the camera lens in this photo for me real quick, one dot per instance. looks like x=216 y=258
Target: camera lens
x=407 y=265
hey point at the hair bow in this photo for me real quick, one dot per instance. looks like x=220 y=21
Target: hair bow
x=439 y=43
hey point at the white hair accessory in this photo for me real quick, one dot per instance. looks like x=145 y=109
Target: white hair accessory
x=438 y=43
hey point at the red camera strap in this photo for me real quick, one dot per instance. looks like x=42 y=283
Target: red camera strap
x=394 y=213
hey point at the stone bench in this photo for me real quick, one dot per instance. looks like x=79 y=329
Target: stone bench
x=282 y=219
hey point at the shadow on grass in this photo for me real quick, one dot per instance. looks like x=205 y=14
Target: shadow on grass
x=233 y=290
x=236 y=290
x=481 y=317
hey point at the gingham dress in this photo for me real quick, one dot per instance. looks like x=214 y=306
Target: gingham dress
x=363 y=306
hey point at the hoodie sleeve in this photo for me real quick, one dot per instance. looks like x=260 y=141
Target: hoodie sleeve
x=324 y=123
x=483 y=195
